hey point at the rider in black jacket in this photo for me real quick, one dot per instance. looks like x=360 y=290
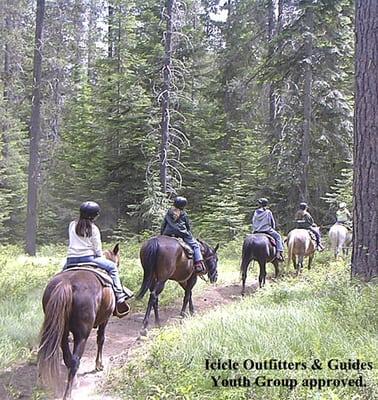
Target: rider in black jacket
x=176 y=223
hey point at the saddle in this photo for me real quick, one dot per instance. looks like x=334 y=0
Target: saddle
x=102 y=276
x=120 y=310
x=346 y=225
x=271 y=238
x=187 y=249
x=311 y=234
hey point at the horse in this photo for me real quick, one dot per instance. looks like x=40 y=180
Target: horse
x=258 y=247
x=340 y=238
x=163 y=259
x=300 y=244
x=73 y=301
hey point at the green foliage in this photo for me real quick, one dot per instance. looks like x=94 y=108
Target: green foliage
x=285 y=321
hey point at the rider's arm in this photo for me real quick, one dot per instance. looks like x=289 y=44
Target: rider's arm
x=272 y=221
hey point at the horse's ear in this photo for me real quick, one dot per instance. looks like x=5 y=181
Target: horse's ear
x=216 y=248
x=116 y=249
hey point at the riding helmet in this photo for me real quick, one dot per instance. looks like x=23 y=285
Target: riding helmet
x=262 y=202
x=180 y=202
x=342 y=205
x=89 y=210
x=303 y=206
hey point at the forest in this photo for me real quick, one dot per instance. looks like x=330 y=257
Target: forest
x=241 y=99
x=130 y=103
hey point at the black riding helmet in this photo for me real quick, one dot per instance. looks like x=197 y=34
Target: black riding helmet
x=89 y=210
x=303 y=206
x=180 y=202
x=262 y=202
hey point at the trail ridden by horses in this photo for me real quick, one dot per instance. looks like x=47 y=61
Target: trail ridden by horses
x=122 y=337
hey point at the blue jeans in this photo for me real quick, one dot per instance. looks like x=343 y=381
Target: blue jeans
x=197 y=256
x=109 y=266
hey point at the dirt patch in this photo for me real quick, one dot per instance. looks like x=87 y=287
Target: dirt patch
x=122 y=335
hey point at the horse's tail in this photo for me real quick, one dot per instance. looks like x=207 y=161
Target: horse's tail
x=290 y=244
x=57 y=312
x=246 y=256
x=149 y=260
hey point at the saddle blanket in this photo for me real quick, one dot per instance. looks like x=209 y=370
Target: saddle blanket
x=102 y=275
x=271 y=238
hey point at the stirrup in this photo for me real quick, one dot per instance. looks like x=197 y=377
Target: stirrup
x=121 y=309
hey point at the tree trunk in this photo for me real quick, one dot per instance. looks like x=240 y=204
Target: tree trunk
x=305 y=152
x=165 y=98
x=365 y=182
x=35 y=134
x=272 y=96
x=6 y=80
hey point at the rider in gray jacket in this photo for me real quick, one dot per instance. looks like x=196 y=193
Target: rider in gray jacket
x=263 y=221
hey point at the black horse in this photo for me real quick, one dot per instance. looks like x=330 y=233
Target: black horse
x=259 y=247
x=164 y=259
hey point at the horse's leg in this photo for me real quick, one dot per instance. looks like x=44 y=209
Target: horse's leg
x=100 y=345
x=262 y=275
x=79 y=345
x=276 y=268
x=157 y=290
x=153 y=303
x=148 y=310
x=310 y=260
x=244 y=269
x=300 y=262
x=67 y=355
x=188 y=286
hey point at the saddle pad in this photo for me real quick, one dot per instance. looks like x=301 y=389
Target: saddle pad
x=102 y=276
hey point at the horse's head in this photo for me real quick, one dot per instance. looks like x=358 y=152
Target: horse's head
x=210 y=259
x=113 y=255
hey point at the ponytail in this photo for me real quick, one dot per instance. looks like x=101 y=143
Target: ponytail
x=84 y=227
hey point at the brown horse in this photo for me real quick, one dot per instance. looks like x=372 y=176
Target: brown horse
x=300 y=244
x=163 y=259
x=73 y=301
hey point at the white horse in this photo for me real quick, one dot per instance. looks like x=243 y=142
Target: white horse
x=300 y=244
x=341 y=239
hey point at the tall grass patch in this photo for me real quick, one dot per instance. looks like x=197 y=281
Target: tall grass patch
x=319 y=315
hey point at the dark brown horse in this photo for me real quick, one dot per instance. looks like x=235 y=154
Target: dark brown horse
x=163 y=258
x=258 y=247
x=73 y=301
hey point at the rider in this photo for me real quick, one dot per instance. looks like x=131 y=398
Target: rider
x=343 y=216
x=263 y=221
x=85 y=246
x=176 y=223
x=304 y=220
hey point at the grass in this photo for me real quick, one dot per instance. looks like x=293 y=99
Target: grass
x=319 y=315
x=22 y=281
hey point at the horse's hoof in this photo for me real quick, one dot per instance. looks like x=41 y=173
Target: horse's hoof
x=99 y=367
x=143 y=332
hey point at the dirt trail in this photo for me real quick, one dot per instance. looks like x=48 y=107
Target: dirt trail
x=122 y=335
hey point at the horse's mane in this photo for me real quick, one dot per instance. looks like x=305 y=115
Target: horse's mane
x=208 y=250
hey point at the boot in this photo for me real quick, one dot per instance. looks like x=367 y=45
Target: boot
x=279 y=256
x=199 y=267
x=129 y=294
